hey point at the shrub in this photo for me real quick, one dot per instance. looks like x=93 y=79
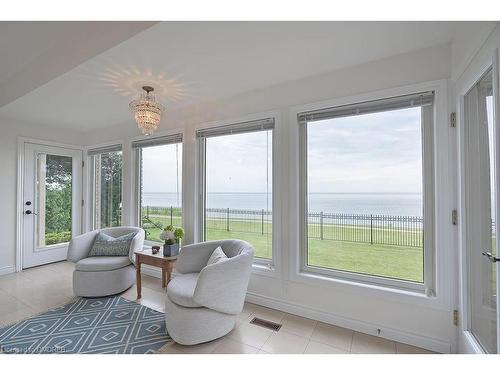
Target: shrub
x=53 y=238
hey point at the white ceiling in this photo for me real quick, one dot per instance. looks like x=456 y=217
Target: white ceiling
x=33 y=53
x=188 y=62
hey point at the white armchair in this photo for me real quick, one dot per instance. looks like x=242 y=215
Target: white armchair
x=103 y=275
x=203 y=301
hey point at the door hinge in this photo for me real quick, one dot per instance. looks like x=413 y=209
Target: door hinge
x=455 y=317
x=453 y=119
x=83 y=164
x=454 y=217
x=83 y=202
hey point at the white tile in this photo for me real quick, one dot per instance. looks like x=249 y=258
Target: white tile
x=367 y=344
x=314 y=347
x=229 y=346
x=10 y=304
x=298 y=325
x=153 y=299
x=250 y=334
x=41 y=296
x=151 y=282
x=282 y=342
x=13 y=281
x=16 y=316
x=248 y=309
x=65 y=268
x=250 y=306
x=337 y=337
x=43 y=274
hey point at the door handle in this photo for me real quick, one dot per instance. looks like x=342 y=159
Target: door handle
x=490 y=257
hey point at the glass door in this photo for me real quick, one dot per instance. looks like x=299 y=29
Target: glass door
x=52 y=202
x=482 y=201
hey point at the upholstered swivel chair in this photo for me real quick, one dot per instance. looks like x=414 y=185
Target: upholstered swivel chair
x=100 y=276
x=203 y=301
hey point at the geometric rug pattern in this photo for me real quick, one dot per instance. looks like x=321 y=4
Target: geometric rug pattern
x=89 y=325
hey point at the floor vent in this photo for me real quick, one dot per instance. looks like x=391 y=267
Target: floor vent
x=266 y=324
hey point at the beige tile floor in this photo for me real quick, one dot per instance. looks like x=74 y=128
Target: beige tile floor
x=35 y=290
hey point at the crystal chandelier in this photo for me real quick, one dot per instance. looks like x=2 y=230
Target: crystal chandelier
x=147 y=111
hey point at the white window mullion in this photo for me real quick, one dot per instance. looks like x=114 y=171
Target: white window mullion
x=429 y=199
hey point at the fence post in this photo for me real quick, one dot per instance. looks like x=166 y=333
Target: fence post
x=262 y=221
x=171 y=218
x=371 y=229
x=321 y=225
x=227 y=220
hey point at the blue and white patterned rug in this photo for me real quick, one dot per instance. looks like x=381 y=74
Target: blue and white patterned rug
x=89 y=325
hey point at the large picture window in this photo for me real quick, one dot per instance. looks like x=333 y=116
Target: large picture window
x=159 y=184
x=365 y=204
x=106 y=175
x=237 y=184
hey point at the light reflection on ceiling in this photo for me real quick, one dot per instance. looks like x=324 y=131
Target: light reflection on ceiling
x=128 y=81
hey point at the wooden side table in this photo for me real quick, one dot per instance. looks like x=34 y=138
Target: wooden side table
x=157 y=260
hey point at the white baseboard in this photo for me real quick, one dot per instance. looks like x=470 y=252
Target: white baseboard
x=151 y=271
x=7 y=270
x=428 y=343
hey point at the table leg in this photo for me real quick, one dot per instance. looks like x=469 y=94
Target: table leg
x=169 y=273
x=138 y=279
x=163 y=277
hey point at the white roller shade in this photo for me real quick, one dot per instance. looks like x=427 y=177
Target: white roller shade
x=241 y=127
x=400 y=102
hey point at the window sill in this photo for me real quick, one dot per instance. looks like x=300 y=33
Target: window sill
x=264 y=269
x=371 y=290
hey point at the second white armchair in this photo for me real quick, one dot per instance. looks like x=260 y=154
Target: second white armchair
x=203 y=301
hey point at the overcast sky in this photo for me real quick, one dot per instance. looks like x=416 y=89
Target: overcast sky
x=240 y=163
x=377 y=153
x=159 y=168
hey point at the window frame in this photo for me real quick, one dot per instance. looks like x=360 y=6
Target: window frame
x=225 y=128
x=428 y=189
x=137 y=146
x=91 y=153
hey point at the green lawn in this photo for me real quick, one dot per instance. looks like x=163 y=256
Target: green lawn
x=382 y=260
x=401 y=262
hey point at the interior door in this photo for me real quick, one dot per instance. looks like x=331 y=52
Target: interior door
x=51 y=202
x=482 y=197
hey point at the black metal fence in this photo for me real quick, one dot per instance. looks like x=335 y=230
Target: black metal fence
x=365 y=228
x=247 y=221
x=373 y=229
x=160 y=217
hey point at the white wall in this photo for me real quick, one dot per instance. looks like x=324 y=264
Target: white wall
x=10 y=131
x=400 y=317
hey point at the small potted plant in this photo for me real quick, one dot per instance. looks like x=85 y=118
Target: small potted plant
x=172 y=237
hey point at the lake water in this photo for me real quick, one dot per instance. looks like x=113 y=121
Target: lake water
x=405 y=204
